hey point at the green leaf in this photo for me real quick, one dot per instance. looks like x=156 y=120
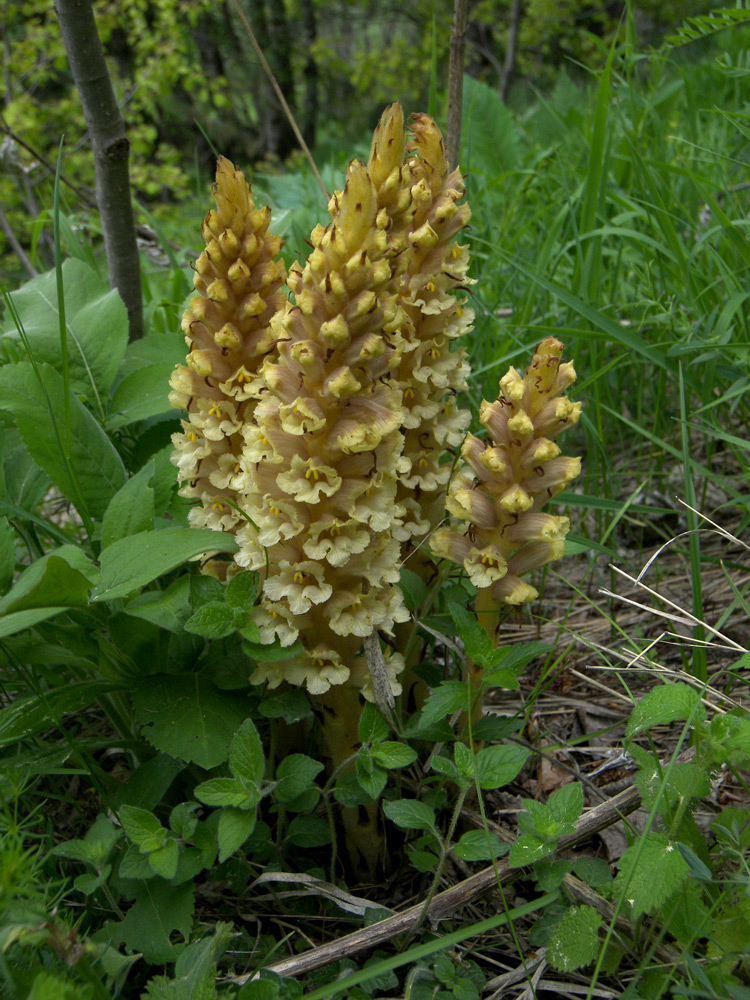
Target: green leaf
x=99 y=471
x=25 y=483
x=213 y=621
x=649 y=872
x=134 y=865
x=235 y=826
x=410 y=814
x=447 y=698
x=550 y=874
x=371 y=776
x=477 y=644
x=273 y=652
x=730 y=735
x=291 y=706
x=593 y=871
x=225 y=792
x=575 y=940
x=164 y=859
x=159 y=911
x=490 y=140
x=295 y=774
x=480 y=845
x=566 y=805
x=143 y=394
x=528 y=849
x=349 y=793
x=666 y=703
x=7 y=555
x=185 y=716
x=498 y=766
x=242 y=590
x=246 y=759
x=131 y=563
x=27 y=716
x=308 y=831
x=414 y=589
x=445 y=766
x=131 y=509
x=391 y=754
x=168 y=609
x=372 y=725
x=143 y=828
x=96 y=321
x=61 y=578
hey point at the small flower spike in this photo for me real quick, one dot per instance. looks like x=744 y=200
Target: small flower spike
x=324 y=452
x=509 y=477
x=238 y=280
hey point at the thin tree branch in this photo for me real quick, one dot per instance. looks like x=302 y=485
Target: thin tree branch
x=111 y=152
x=509 y=64
x=456 y=82
x=15 y=245
x=279 y=93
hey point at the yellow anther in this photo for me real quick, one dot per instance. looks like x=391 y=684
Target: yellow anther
x=263 y=439
x=459 y=311
x=434 y=353
x=454 y=252
x=274 y=614
x=429 y=287
x=334 y=530
x=191 y=436
x=243 y=377
x=218 y=506
x=312 y=474
x=237 y=469
x=422 y=463
x=447 y=410
x=299 y=577
x=488 y=561
x=275 y=511
x=215 y=411
x=409 y=393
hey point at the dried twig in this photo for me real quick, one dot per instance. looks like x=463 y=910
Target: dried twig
x=456 y=83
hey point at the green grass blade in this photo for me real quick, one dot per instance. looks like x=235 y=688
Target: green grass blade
x=699 y=669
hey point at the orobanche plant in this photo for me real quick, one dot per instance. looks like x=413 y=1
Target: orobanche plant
x=322 y=427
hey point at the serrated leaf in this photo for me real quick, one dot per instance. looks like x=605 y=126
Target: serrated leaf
x=295 y=775
x=566 y=805
x=224 y=792
x=159 y=911
x=164 y=859
x=272 y=652
x=89 y=883
x=142 y=828
x=649 y=872
x=391 y=754
x=186 y=716
x=498 y=766
x=372 y=725
x=168 y=609
x=30 y=715
x=212 y=621
x=575 y=941
x=413 y=588
x=490 y=138
x=242 y=590
x=480 y=845
x=371 y=776
x=550 y=874
x=246 y=758
x=134 y=865
x=666 y=703
x=130 y=563
x=291 y=706
x=477 y=644
x=131 y=509
x=528 y=849
x=75 y=850
x=235 y=826
x=99 y=471
x=410 y=814
x=96 y=321
x=309 y=831
x=447 y=698
x=348 y=791
x=593 y=871
x=732 y=733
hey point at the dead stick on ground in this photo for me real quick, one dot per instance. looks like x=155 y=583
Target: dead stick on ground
x=446 y=903
x=280 y=94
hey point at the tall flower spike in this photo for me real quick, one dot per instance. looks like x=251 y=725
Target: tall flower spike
x=238 y=281
x=325 y=450
x=508 y=479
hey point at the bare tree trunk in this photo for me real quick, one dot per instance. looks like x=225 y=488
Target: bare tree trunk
x=111 y=151
x=456 y=82
x=509 y=64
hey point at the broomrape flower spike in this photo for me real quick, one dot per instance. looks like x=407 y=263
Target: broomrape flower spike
x=238 y=283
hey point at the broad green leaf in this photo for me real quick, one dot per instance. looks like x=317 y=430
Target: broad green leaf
x=159 y=911
x=131 y=509
x=235 y=826
x=223 y=792
x=246 y=758
x=464 y=758
x=131 y=563
x=414 y=589
x=61 y=578
x=480 y=845
x=30 y=715
x=291 y=706
x=295 y=774
x=88 y=883
x=371 y=776
x=410 y=814
x=550 y=874
x=242 y=590
x=442 y=765
x=575 y=941
x=528 y=849
x=135 y=865
x=142 y=828
x=498 y=766
x=309 y=831
x=649 y=872
x=142 y=389
x=164 y=859
x=168 y=609
x=98 y=469
x=593 y=871
x=391 y=754
x=273 y=652
x=186 y=716
x=372 y=725
x=730 y=734
x=97 y=326
x=25 y=484
x=490 y=140
x=447 y=698
x=349 y=793
x=666 y=703
x=566 y=804
x=149 y=783
x=7 y=555
x=212 y=621
x=477 y=644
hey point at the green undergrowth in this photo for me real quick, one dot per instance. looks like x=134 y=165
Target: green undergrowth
x=157 y=840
